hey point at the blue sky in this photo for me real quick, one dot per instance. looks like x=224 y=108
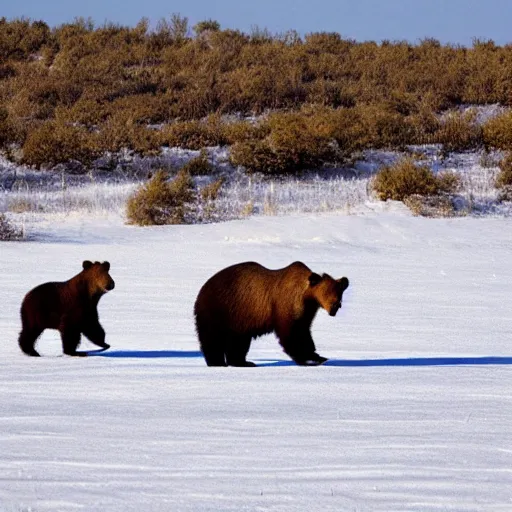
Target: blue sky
x=450 y=21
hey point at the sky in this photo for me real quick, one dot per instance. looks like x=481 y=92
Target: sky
x=449 y=21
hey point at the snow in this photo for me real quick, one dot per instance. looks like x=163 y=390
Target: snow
x=412 y=412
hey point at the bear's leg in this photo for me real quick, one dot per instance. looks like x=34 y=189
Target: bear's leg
x=95 y=333
x=27 y=340
x=289 y=339
x=212 y=349
x=214 y=356
x=70 y=341
x=237 y=348
x=308 y=354
x=299 y=345
x=315 y=359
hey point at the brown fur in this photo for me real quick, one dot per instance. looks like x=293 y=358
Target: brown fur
x=71 y=307
x=248 y=300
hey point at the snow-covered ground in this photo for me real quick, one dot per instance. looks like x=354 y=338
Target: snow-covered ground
x=412 y=412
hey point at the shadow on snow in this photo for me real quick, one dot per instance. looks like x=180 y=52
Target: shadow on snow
x=146 y=354
x=409 y=361
x=406 y=361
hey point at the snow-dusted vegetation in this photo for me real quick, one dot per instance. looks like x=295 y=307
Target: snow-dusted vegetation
x=26 y=194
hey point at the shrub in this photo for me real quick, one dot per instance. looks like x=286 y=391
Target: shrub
x=243 y=131
x=304 y=142
x=257 y=156
x=392 y=92
x=206 y=200
x=8 y=232
x=20 y=38
x=406 y=178
x=430 y=206
x=85 y=111
x=424 y=125
x=497 y=132
x=198 y=166
x=211 y=191
x=349 y=131
x=383 y=127
x=504 y=178
x=161 y=201
x=194 y=134
x=54 y=143
x=459 y=132
x=206 y=26
x=294 y=142
x=120 y=132
x=7 y=133
x=488 y=159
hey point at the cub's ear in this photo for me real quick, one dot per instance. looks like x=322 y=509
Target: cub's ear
x=343 y=283
x=314 y=279
x=86 y=264
x=106 y=265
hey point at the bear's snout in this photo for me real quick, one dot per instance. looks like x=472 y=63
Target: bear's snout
x=334 y=309
x=110 y=286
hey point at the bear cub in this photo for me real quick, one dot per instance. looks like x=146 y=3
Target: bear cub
x=247 y=300
x=71 y=307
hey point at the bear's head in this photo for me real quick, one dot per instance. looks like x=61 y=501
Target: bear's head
x=98 y=278
x=327 y=291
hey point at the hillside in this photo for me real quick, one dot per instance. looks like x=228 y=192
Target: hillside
x=77 y=91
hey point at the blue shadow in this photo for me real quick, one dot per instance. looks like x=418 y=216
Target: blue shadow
x=145 y=354
x=409 y=361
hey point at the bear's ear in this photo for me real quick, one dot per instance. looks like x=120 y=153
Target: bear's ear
x=343 y=283
x=106 y=265
x=314 y=279
x=86 y=264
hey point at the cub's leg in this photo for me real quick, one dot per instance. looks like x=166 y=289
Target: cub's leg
x=70 y=341
x=95 y=333
x=27 y=341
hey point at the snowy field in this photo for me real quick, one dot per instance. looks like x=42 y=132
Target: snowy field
x=412 y=412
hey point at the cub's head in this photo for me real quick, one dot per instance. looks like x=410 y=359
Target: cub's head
x=327 y=291
x=97 y=276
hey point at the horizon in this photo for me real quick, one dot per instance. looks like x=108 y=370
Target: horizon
x=458 y=23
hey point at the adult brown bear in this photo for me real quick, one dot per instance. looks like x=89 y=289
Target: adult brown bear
x=248 y=300
x=71 y=307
